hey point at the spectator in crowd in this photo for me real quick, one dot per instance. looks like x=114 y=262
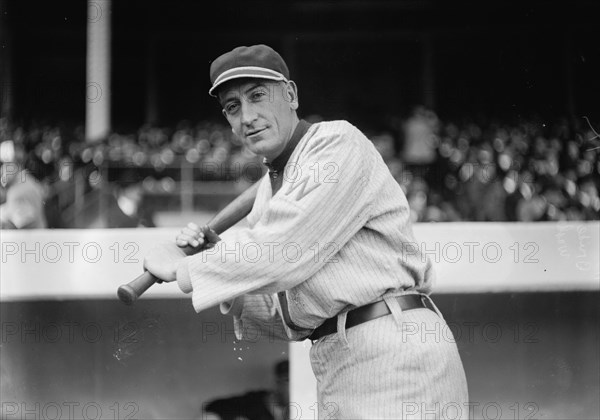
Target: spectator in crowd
x=272 y=404
x=126 y=207
x=24 y=206
x=421 y=140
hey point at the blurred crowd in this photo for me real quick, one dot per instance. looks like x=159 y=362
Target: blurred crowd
x=450 y=171
x=495 y=171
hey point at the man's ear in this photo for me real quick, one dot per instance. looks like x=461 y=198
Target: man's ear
x=291 y=94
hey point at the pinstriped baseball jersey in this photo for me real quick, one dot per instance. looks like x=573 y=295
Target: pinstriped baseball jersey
x=333 y=237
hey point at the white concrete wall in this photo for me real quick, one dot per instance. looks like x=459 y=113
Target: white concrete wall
x=470 y=258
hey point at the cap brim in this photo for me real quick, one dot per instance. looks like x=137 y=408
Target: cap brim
x=246 y=72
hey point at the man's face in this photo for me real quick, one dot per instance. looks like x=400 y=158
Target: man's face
x=262 y=113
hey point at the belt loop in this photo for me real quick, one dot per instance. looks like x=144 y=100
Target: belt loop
x=341 y=329
x=437 y=311
x=395 y=309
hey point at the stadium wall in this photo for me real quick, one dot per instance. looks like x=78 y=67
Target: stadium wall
x=521 y=300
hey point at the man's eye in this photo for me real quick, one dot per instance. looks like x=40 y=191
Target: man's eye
x=258 y=95
x=231 y=108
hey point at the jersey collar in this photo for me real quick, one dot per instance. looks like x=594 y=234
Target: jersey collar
x=278 y=164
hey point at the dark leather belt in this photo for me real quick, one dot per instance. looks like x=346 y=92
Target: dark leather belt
x=371 y=311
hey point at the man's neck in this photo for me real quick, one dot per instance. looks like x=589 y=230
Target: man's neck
x=278 y=164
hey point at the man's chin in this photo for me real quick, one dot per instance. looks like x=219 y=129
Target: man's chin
x=262 y=148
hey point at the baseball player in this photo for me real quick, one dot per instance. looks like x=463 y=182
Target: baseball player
x=323 y=256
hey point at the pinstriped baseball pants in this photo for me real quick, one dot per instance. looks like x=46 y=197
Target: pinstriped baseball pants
x=401 y=366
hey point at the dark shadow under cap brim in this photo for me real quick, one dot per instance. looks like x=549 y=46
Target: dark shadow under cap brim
x=256 y=61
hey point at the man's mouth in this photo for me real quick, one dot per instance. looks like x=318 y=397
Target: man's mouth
x=254 y=132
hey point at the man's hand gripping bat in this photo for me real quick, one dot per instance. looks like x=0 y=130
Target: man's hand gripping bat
x=229 y=216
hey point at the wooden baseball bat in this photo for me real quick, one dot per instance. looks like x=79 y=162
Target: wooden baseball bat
x=229 y=216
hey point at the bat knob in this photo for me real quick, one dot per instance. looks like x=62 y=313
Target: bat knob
x=127 y=294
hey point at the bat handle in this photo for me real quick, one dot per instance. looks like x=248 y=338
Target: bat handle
x=128 y=293
x=229 y=216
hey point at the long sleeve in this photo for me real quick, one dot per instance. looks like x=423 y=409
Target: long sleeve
x=257 y=317
x=322 y=203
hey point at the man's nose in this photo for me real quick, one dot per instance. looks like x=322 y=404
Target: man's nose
x=248 y=113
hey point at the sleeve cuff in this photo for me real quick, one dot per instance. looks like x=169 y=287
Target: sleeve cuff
x=184 y=281
x=233 y=307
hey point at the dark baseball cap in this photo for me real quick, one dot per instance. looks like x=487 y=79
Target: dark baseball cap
x=256 y=61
